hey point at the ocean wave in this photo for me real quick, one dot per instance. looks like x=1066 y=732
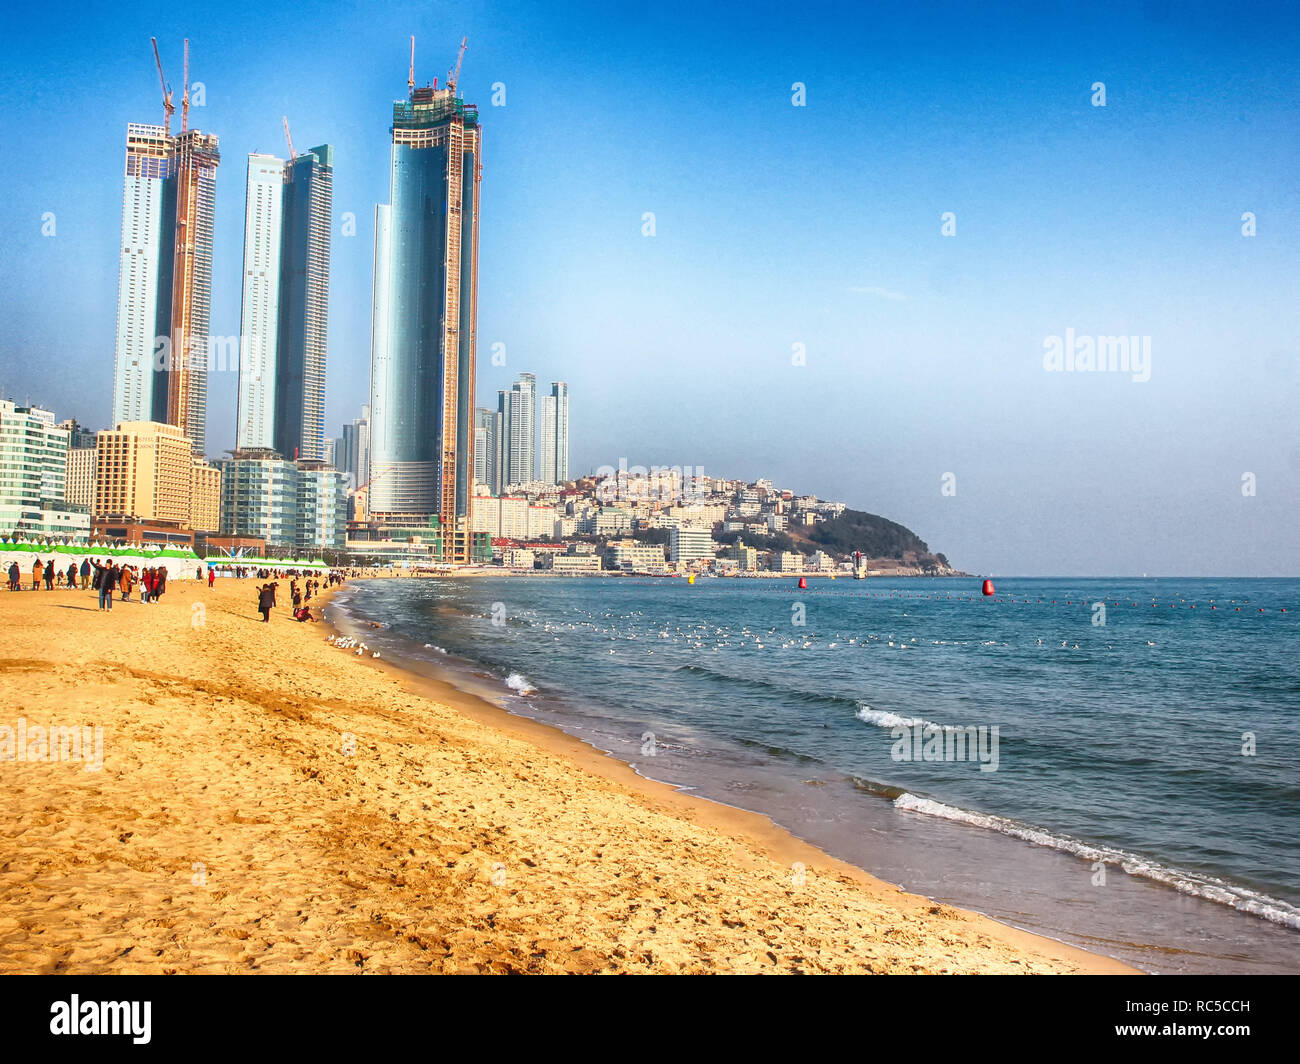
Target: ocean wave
x=778 y=751
x=520 y=684
x=882 y=790
x=882 y=718
x=1208 y=888
x=767 y=685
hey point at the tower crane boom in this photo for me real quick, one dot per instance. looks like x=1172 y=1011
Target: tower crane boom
x=185 y=99
x=454 y=76
x=168 y=109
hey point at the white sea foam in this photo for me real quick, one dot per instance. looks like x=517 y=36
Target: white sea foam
x=518 y=683
x=1209 y=888
x=884 y=719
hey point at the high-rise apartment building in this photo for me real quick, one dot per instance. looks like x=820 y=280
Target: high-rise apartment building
x=518 y=409
x=164 y=288
x=291 y=505
x=80 y=482
x=80 y=491
x=487 y=449
x=285 y=318
x=424 y=319
x=33 y=476
x=555 y=435
x=352 y=451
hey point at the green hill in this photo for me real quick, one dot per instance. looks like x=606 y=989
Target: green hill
x=873 y=535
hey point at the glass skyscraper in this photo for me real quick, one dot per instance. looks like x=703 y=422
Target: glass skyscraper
x=164 y=288
x=285 y=319
x=424 y=319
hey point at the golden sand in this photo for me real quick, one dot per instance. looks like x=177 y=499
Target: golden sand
x=268 y=803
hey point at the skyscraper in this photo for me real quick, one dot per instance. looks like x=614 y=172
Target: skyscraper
x=555 y=435
x=518 y=409
x=352 y=454
x=424 y=319
x=285 y=318
x=487 y=448
x=164 y=287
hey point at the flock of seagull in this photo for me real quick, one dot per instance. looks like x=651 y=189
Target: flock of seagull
x=345 y=642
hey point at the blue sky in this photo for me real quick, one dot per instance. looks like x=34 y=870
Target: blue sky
x=775 y=225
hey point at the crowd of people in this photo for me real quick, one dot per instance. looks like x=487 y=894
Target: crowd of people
x=107 y=577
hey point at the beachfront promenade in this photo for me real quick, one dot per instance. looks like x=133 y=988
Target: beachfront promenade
x=267 y=802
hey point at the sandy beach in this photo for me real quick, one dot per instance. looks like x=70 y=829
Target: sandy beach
x=269 y=803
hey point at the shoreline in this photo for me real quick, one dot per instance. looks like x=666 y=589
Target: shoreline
x=227 y=833
x=780 y=843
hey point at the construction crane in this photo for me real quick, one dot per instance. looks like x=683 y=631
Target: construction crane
x=168 y=109
x=410 y=81
x=185 y=99
x=292 y=154
x=454 y=75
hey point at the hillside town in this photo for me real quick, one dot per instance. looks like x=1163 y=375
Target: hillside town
x=139 y=485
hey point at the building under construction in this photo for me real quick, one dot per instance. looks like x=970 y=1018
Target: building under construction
x=164 y=289
x=425 y=314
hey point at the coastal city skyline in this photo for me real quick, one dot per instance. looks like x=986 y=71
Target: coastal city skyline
x=983 y=362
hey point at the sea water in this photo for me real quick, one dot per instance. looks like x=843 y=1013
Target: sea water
x=1138 y=787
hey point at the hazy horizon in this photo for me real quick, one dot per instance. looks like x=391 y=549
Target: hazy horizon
x=778 y=229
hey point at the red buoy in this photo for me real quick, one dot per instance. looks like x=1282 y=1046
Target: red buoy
x=802 y=583
x=988 y=587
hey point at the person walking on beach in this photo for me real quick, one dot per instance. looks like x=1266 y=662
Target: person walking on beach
x=105 y=580
x=265 y=600
x=72 y=577
x=15 y=577
x=49 y=575
x=160 y=583
x=37 y=570
x=85 y=573
x=212 y=577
